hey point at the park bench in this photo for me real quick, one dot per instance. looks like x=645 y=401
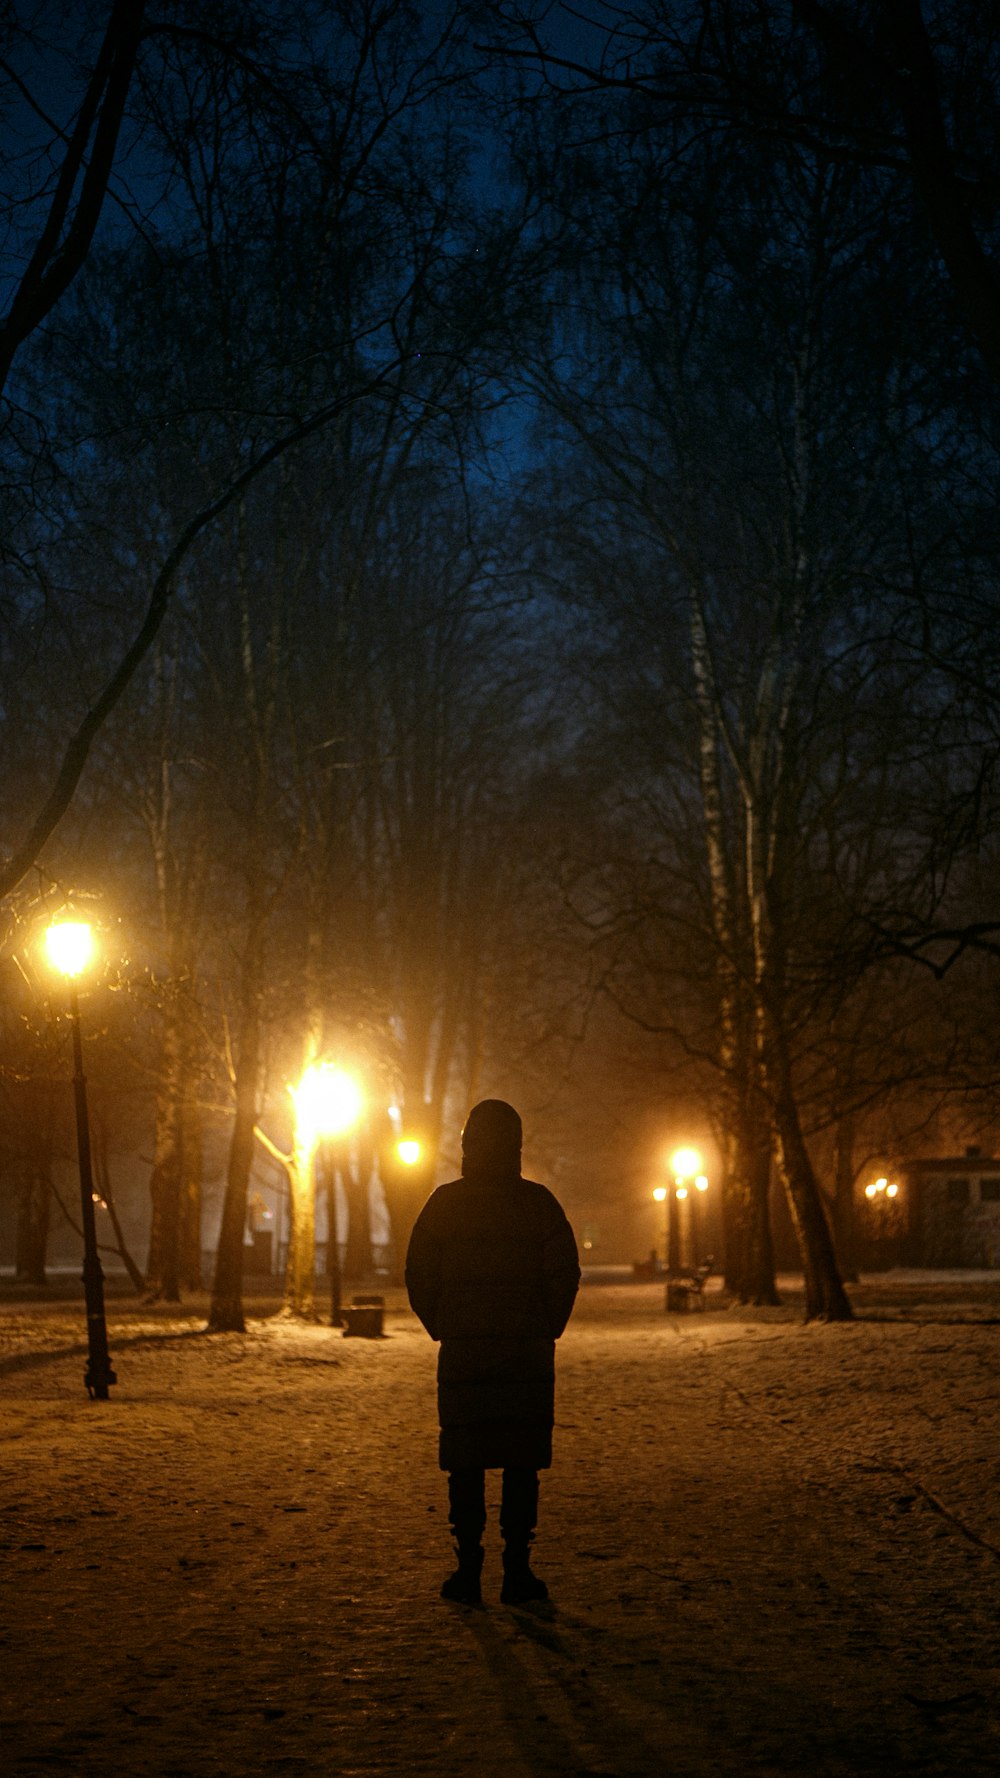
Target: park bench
x=686 y=1289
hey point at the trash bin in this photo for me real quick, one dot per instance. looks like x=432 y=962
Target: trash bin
x=679 y=1298
x=364 y=1317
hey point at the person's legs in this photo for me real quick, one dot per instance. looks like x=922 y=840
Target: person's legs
x=518 y=1518
x=467 y=1517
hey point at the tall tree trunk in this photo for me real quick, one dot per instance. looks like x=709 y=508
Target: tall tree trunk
x=766 y=839
x=844 y=1233
x=749 y=1252
x=34 y=1187
x=300 y=1270
x=826 y=1298
x=162 y=1263
x=34 y=1202
x=749 y=1256
x=226 y=1312
x=358 y=1257
x=101 y=1159
x=174 y=1258
x=189 y=1209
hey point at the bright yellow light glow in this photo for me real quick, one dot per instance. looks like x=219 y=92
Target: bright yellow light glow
x=70 y=946
x=880 y=1184
x=686 y=1163
x=659 y=1193
x=328 y=1102
x=409 y=1151
x=701 y=1183
x=870 y=1190
x=682 y=1191
x=891 y=1190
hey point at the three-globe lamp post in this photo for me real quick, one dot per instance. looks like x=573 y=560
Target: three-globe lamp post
x=690 y=1185
x=69 y=946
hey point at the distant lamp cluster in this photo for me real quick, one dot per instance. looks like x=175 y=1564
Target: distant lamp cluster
x=690 y=1185
x=881 y=1187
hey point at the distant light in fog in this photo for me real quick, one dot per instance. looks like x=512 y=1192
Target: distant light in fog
x=686 y=1163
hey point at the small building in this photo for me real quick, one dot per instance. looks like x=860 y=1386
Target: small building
x=954 y=1210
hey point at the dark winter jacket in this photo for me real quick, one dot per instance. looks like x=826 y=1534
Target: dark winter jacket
x=492 y=1271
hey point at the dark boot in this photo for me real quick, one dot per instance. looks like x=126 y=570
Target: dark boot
x=520 y=1583
x=467 y=1514
x=518 y=1517
x=463 y=1586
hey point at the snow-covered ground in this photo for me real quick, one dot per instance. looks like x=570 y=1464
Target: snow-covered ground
x=772 y=1548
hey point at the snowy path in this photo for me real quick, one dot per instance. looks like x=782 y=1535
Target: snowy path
x=771 y=1548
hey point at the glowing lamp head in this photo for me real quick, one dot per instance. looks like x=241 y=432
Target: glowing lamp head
x=682 y=1191
x=69 y=946
x=892 y=1190
x=686 y=1163
x=870 y=1190
x=659 y=1193
x=409 y=1151
x=328 y=1102
x=701 y=1183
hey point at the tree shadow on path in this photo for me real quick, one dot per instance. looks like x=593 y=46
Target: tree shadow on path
x=25 y=1361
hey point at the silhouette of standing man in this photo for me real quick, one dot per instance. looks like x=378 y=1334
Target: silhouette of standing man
x=492 y=1271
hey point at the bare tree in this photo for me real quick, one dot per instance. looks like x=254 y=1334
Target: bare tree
x=55 y=219
x=726 y=400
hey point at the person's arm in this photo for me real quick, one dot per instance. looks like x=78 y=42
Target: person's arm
x=562 y=1273
x=423 y=1272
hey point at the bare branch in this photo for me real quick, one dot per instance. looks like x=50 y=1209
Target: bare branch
x=79 y=745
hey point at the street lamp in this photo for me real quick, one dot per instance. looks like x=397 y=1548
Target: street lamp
x=661 y=1195
x=685 y=1164
x=887 y=1218
x=687 y=1170
x=878 y=1186
x=697 y=1214
x=328 y=1102
x=69 y=945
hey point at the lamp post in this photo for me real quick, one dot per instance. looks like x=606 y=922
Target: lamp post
x=686 y=1165
x=661 y=1194
x=70 y=945
x=887 y=1215
x=328 y=1102
x=874 y=1191
x=697 y=1215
